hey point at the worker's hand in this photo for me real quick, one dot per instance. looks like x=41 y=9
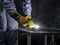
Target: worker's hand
x=28 y=17
x=30 y=21
x=22 y=20
x=26 y=21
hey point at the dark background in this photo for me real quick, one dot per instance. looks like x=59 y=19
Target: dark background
x=46 y=12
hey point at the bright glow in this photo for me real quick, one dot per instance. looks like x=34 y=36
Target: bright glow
x=35 y=26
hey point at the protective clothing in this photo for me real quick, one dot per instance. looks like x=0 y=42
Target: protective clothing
x=8 y=7
x=29 y=24
x=5 y=19
x=30 y=21
x=22 y=20
x=8 y=38
x=27 y=7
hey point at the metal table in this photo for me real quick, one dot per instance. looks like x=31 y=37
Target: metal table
x=45 y=31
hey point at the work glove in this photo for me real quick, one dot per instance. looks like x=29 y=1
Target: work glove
x=30 y=22
x=29 y=17
x=22 y=20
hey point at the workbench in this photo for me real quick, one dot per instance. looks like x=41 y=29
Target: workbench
x=45 y=31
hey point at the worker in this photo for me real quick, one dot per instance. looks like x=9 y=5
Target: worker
x=10 y=18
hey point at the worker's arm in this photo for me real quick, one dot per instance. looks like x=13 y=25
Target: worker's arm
x=9 y=5
x=27 y=8
x=10 y=8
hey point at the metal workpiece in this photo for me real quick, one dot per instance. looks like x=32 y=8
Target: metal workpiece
x=41 y=30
